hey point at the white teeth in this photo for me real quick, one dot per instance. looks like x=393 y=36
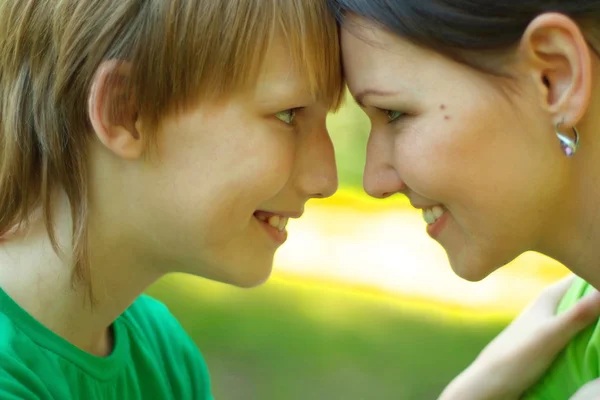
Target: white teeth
x=437 y=211
x=282 y=224
x=430 y=215
x=274 y=221
x=278 y=222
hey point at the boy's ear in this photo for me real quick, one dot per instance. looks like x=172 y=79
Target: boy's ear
x=112 y=110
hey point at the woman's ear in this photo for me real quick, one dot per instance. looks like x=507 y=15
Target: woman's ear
x=558 y=58
x=112 y=110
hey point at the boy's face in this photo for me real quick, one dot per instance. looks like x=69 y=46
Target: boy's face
x=223 y=170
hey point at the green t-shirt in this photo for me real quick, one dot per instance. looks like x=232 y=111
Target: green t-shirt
x=578 y=363
x=153 y=358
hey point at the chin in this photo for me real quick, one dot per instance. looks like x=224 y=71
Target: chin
x=468 y=274
x=250 y=284
x=243 y=274
x=473 y=269
x=251 y=276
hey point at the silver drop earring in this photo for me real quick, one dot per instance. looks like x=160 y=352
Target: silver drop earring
x=569 y=146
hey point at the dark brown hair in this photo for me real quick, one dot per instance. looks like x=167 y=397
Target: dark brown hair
x=460 y=29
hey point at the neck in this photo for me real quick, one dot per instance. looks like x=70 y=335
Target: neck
x=575 y=227
x=62 y=305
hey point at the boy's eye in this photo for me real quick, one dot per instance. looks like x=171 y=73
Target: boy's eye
x=393 y=115
x=287 y=116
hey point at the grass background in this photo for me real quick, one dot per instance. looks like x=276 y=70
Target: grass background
x=288 y=340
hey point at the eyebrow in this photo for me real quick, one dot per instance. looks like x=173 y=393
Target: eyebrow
x=371 y=92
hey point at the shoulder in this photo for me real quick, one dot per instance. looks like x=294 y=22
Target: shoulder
x=582 y=352
x=19 y=356
x=16 y=350
x=18 y=381
x=578 y=363
x=147 y=312
x=153 y=320
x=153 y=323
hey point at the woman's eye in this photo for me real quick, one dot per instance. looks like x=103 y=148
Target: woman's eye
x=393 y=115
x=287 y=116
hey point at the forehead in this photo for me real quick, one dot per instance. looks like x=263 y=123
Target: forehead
x=278 y=74
x=372 y=55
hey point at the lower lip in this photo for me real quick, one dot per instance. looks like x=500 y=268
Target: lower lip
x=434 y=230
x=278 y=236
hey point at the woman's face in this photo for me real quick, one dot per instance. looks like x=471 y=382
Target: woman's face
x=479 y=158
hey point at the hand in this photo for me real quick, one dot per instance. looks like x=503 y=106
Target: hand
x=520 y=354
x=590 y=391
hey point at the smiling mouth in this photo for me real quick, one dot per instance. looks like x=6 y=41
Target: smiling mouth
x=276 y=221
x=432 y=214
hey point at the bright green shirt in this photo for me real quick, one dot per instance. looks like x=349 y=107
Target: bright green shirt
x=578 y=363
x=153 y=358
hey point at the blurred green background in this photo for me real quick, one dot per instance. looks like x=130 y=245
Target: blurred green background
x=362 y=305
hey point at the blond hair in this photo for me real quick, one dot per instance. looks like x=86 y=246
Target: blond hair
x=180 y=51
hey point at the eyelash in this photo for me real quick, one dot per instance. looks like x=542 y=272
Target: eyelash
x=388 y=112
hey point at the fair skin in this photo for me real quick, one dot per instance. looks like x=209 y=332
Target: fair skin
x=483 y=148
x=517 y=357
x=197 y=208
x=194 y=208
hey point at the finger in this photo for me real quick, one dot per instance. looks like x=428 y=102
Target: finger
x=553 y=294
x=558 y=331
x=581 y=315
x=546 y=303
x=591 y=391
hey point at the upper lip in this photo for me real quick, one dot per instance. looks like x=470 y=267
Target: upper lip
x=287 y=214
x=424 y=206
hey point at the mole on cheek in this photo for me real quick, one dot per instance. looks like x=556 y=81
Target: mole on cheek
x=443 y=107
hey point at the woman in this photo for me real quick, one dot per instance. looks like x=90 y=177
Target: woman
x=486 y=114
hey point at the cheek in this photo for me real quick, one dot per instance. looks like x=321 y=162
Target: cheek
x=259 y=173
x=494 y=177
x=434 y=160
x=472 y=158
x=229 y=160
